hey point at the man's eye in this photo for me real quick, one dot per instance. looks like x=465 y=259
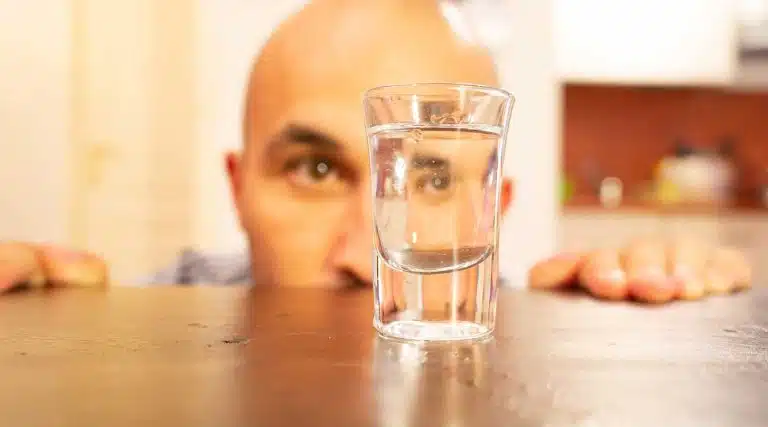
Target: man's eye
x=314 y=173
x=434 y=183
x=317 y=169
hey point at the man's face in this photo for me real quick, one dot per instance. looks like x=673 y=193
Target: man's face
x=302 y=185
x=305 y=202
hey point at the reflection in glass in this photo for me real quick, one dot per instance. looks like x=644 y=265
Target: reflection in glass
x=438 y=384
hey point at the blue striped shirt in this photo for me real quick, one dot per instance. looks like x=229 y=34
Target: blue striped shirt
x=201 y=268
x=194 y=267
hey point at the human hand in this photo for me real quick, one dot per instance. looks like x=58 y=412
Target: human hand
x=37 y=266
x=648 y=270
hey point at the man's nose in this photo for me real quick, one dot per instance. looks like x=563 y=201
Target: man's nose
x=353 y=252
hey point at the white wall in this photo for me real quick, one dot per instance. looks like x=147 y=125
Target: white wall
x=527 y=67
x=649 y=41
x=97 y=139
x=35 y=97
x=231 y=32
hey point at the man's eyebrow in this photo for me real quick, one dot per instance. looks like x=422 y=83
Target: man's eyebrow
x=305 y=135
x=421 y=161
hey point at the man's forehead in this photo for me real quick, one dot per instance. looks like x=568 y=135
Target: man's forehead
x=334 y=50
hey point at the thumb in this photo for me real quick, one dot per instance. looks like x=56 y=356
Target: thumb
x=19 y=265
x=559 y=271
x=72 y=268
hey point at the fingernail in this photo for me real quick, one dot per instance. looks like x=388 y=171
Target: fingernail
x=683 y=272
x=652 y=274
x=613 y=276
x=692 y=290
x=718 y=284
x=690 y=285
x=655 y=278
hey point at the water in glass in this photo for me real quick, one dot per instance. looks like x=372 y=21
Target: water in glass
x=435 y=214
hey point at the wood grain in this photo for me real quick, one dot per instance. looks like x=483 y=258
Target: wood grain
x=272 y=357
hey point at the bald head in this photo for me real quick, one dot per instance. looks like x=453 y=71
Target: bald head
x=302 y=184
x=349 y=46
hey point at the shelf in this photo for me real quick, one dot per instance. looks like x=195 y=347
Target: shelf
x=585 y=204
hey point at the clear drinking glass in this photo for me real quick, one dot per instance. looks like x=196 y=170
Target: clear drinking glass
x=436 y=154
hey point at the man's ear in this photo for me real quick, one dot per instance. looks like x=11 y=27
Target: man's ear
x=233 y=160
x=507 y=194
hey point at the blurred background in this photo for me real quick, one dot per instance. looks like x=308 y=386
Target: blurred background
x=632 y=117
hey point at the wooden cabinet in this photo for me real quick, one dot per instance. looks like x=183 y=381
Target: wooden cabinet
x=646 y=42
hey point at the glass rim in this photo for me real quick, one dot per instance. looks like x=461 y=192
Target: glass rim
x=488 y=90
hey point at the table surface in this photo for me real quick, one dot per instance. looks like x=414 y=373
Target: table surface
x=271 y=357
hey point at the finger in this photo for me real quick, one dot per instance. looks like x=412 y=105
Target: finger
x=71 y=268
x=557 y=272
x=19 y=265
x=687 y=264
x=646 y=265
x=603 y=276
x=728 y=270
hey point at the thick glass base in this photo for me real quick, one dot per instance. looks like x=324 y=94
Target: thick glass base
x=455 y=305
x=415 y=330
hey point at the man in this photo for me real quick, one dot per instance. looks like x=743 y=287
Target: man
x=301 y=183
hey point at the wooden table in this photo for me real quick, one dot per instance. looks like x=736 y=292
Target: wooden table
x=227 y=356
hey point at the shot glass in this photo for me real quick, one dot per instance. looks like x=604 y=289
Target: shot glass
x=436 y=155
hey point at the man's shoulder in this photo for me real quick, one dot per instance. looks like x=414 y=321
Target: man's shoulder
x=193 y=267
